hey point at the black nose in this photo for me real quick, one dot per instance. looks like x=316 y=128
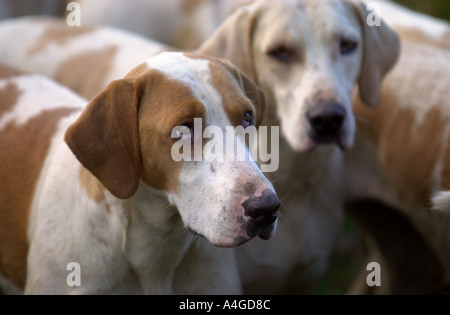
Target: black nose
x=262 y=209
x=327 y=121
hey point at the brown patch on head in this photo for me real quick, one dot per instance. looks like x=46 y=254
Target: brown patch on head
x=247 y=97
x=85 y=73
x=124 y=134
x=23 y=151
x=189 y=6
x=227 y=79
x=137 y=71
x=93 y=187
x=7 y=72
x=8 y=96
x=57 y=33
x=160 y=112
x=408 y=152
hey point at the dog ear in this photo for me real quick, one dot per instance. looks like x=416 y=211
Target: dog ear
x=105 y=138
x=233 y=40
x=381 y=51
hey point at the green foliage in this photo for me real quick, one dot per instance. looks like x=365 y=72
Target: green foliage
x=436 y=8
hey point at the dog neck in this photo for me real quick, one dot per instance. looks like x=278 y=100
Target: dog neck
x=156 y=240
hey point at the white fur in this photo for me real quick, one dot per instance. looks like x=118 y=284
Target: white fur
x=441 y=201
x=48 y=60
x=34 y=101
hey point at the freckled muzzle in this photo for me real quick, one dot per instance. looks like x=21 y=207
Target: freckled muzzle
x=262 y=212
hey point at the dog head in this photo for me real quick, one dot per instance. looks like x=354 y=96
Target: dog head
x=127 y=134
x=307 y=55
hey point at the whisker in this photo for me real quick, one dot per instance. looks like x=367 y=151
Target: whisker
x=290 y=191
x=366 y=122
x=282 y=219
x=275 y=179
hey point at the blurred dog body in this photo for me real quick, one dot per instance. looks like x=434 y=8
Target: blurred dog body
x=183 y=24
x=401 y=160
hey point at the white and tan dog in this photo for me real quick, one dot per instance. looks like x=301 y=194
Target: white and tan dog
x=48 y=46
x=398 y=170
x=180 y=23
x=308 y=63
x=414 y=26
x=99 y=187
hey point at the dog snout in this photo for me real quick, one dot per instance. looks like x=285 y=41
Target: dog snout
x=263 y=209
x=327 y=121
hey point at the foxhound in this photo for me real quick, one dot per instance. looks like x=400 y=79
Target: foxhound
x=398 y=171
x=180 y=23
x=95 y=188
x=308 y=63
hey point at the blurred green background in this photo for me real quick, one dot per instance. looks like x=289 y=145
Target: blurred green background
x=437 y=8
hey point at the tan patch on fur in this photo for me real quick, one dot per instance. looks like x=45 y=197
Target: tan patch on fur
x=23 y=151
x=164 y=105
x=137 y=71
x=227 y=78
x=408 y=153
x=416 y=35
x=85 y=73
x=186 y=38
x=8 y=96
x=189 y=6
x=7 y=72
x=93 y=187
x=247 y=96
x=445 y=40
x=57 y=33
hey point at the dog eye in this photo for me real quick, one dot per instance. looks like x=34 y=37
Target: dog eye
x=184 y=132
x=281 y=54
x=348 y=46
x=248 y=120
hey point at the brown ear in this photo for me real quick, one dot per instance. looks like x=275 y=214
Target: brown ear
x=105 y=138
x=381 y=51
x=233 y=40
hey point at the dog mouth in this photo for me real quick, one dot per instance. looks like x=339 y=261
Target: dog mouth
x=338 y=140
x=195 y=233
x=263 y=232
x=252 y=230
